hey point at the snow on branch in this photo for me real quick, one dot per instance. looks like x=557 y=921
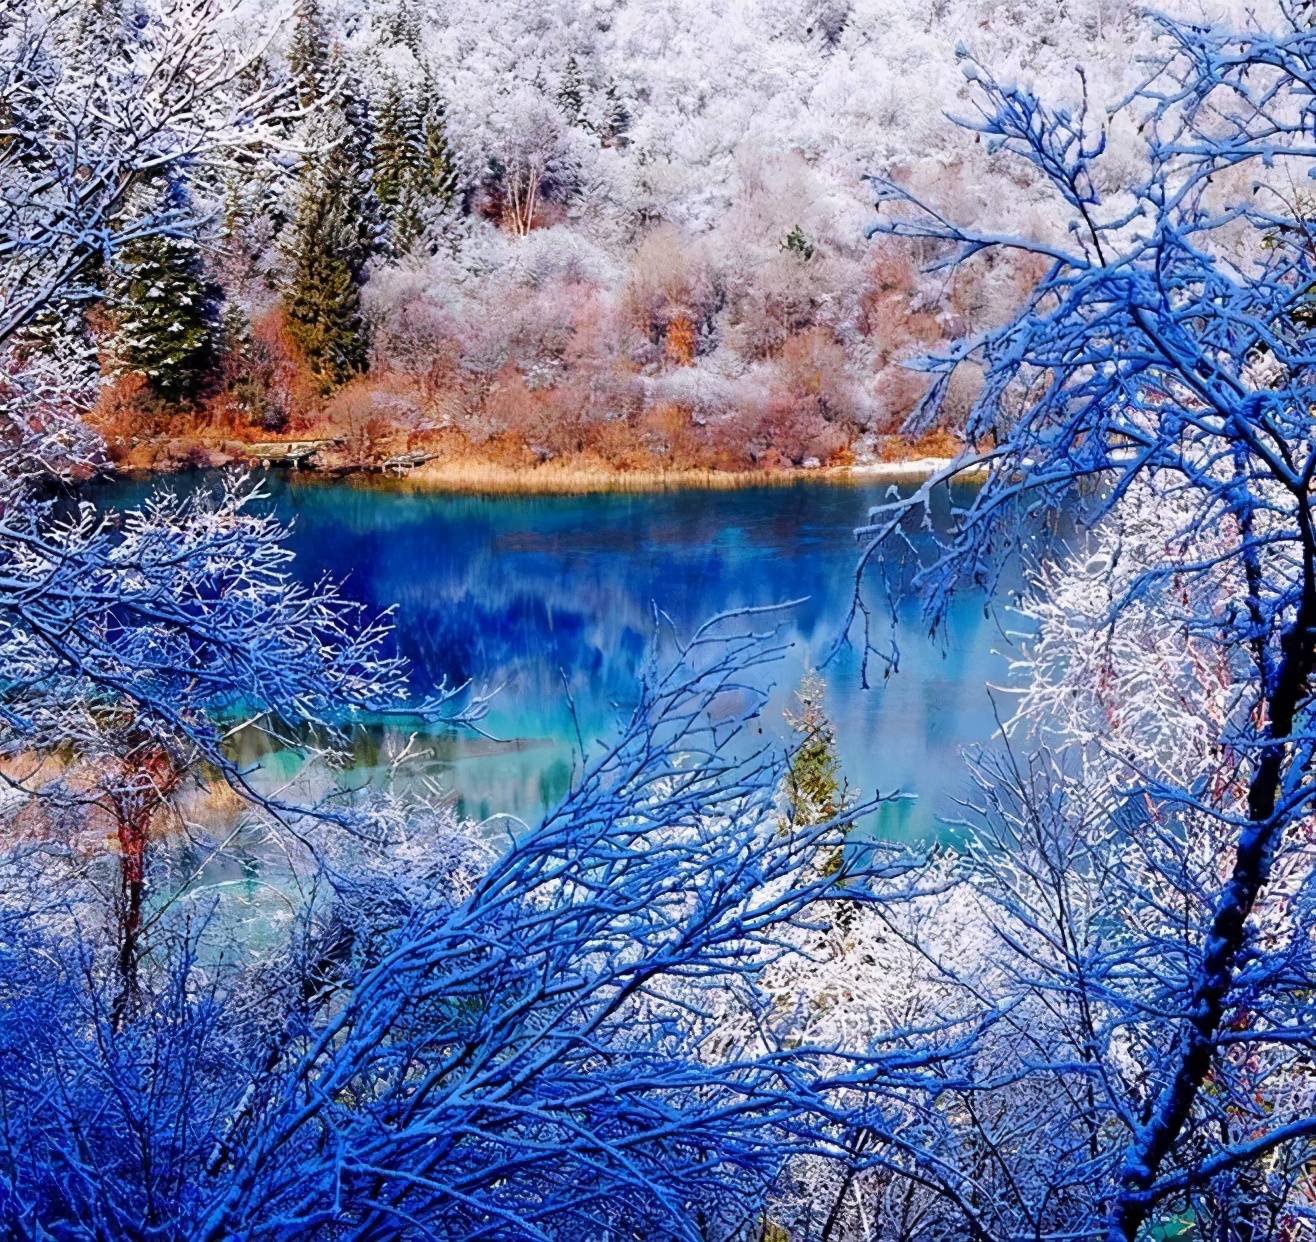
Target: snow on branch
x=1167 y=355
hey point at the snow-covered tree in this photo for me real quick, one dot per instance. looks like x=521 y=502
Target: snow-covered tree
x=1165 y=347
x=330 y=238
x=815 y=788
x=415 y=176
x=531 y=158
x=310 y=52
x=95 y=126
x=398 y=144
x=165 y=311
x=571 y=92
x=491 y=1043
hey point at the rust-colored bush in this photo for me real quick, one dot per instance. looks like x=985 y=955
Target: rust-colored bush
x=793 y=432
x=670 y=437
x=371 y=421
x=680 y=340
x=512 y=409
x=124 y=413
x=897 y=390
x=813 y=367
x=671 y=279
x=265 y=381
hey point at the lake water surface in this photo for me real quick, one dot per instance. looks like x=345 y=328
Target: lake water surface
x=547 y=594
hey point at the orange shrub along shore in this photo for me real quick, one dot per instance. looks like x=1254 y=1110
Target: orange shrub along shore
x=446 y=431
x=442 y=459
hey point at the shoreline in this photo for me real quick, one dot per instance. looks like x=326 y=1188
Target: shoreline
x=467 y=478
x=472 y=477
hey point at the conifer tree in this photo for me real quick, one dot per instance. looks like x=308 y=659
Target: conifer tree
x=335 y=228
x=814 y=788
x=440 y=162
x=398 y=142
x=616 y=117
x=164 y=309
x=350 y=124
x=100 y=37
x=253 y=179
x=415 y=173
x=309 y=53
x=571 y=92
x=327 y=251
x=401 y=27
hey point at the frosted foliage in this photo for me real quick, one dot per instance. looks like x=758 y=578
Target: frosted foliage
x=732 y=125
x=1120 y=661
x=1156 y=390
x=854 y=87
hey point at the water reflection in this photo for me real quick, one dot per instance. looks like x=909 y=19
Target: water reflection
x=550 y=595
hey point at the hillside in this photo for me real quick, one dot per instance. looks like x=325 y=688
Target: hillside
x=625 y=234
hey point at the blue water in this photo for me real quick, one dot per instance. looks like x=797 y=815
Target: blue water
x=548 y=594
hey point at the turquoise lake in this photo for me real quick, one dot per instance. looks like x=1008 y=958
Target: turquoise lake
x=544 y=595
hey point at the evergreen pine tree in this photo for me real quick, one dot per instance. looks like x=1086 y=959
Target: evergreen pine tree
x=256 y=175
x=571 y=92
x=353 y=163
x=415 y=174
x=616 y=117
x=440 y=162
x=308 y=53
x=165 y=311
x=401 y=27
x=327 y=248
x=397 y=141
x=814 y=789
x=335 y=225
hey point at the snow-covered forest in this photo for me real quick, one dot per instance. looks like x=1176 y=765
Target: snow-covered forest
x=615 y=233
x=700 y=997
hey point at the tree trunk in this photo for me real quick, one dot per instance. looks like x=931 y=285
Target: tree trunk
x=1195 y=1043
x=150 y=782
